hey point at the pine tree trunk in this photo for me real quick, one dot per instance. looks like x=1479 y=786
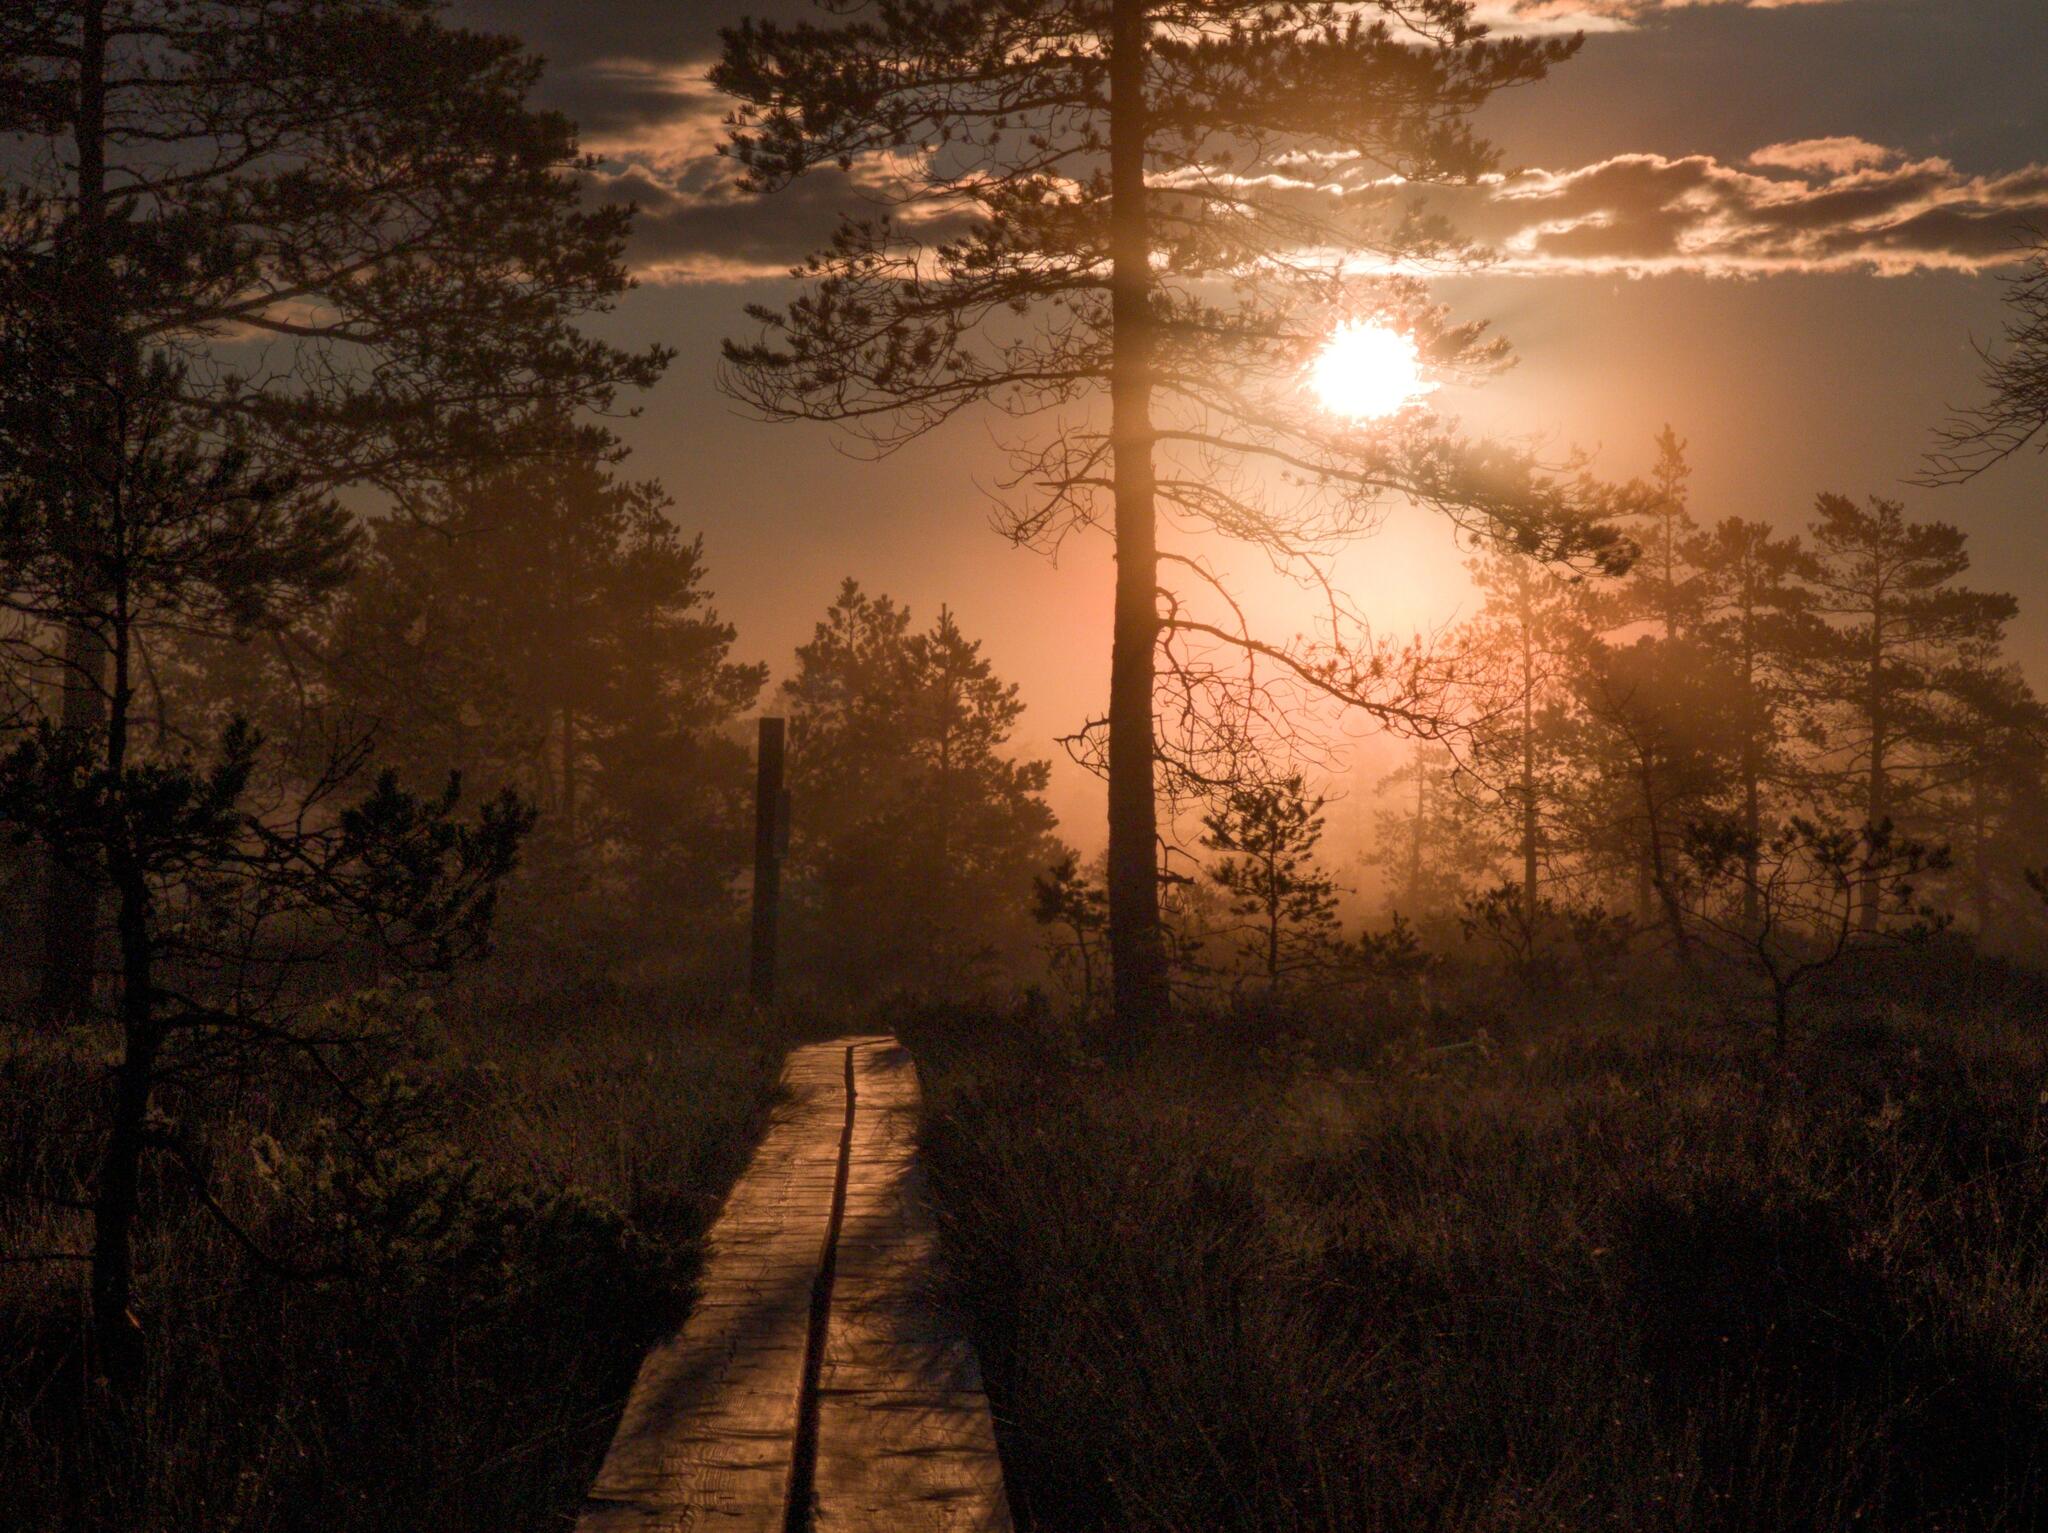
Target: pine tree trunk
x=1878 y=809
x=1137 y=955
x=1529 y=821
x=117 y=1189
x=1877 y=804
x=1752 y=850
x=1980 y=857
x=1656 y=874
x=1752 y=785
x=1415 y=837
x=1272 y=923
x=942 y=837
x=71 y=901
x=71 y=894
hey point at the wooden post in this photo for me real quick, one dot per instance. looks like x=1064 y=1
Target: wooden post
x=771 y=840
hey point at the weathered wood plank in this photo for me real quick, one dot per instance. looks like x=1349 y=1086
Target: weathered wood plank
x=905 y=1441
x=899 y=1437
x=705 y=1441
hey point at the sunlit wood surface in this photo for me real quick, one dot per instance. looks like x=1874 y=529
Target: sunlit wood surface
x=904 y=1439
x=904 y=1436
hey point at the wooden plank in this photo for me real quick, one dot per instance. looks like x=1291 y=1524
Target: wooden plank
x=905 y=1441
x=705 y=1441
x=899 y=1436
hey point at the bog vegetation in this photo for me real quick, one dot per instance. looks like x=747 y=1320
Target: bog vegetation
x=1641 y=1128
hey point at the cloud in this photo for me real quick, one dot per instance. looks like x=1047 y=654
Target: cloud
x=1538 y=17
x=696 y=224
x=1818 y=205
x=665 y=114
x=1543 y=18
x=1836 y=155
x=1825 y=204
x=1815 y=205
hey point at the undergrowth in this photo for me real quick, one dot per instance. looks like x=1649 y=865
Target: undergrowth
x=455 y=1271
x=1479 y=1272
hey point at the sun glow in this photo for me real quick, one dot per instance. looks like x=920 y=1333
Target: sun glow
x=1367 y=372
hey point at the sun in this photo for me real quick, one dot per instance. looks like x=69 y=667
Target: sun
x=1367 y=372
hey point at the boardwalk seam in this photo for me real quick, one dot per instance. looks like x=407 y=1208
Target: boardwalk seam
x=803 y=1465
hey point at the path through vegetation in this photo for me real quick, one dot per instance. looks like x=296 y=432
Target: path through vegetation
x=815 y=1385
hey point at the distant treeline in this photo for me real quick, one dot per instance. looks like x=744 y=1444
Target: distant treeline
x=547 y=631
x=1645 y=743
x=1753 y=747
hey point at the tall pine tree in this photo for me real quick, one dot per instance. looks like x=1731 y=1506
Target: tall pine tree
x=293 y=244
x=1901 y=626
x=1102 y=198
x=1756 y=620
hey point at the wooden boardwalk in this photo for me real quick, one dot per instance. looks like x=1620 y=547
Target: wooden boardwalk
x=815 y=1384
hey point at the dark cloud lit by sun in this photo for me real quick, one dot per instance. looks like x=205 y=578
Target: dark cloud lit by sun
x=1784 y=200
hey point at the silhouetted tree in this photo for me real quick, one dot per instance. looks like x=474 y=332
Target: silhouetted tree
x=1756 y=618
x=546 y=627
x=916 y=840
x=1527 y=637
x=2015 y=377
x=1102 y=199
x=1807 y=912
x=1659 y=726
x=306 y=243
x=1539 y=943
x=1990 y=797
x=1651 y=613
x=223 y=892
x=1901 y=627
x=1075 y=905
x=1663 y=585
x=1433 y=842
x=1285 y=902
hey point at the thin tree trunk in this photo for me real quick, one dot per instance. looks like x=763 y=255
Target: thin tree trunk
x=942 y=826
x=1980 y=852
x=1137 y=955
x=1877 y=805
x=1529 y=821
x=1752 y=851
x=1878 y=808
x=1272 y=922
x=71 y=895
x=1752 y=774
x=1416 y=835
x=1657 y=875
x=117 y=1190
x=71 y=900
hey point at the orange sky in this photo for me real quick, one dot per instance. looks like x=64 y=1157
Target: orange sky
x=1784 y=387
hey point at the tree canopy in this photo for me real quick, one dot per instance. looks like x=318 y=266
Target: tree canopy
x=918 y=837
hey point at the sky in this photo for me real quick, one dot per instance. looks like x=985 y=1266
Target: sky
x=1779 y=226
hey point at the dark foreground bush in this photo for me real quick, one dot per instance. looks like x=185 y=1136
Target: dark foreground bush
x=459 y=1271
x=1628 y=1278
